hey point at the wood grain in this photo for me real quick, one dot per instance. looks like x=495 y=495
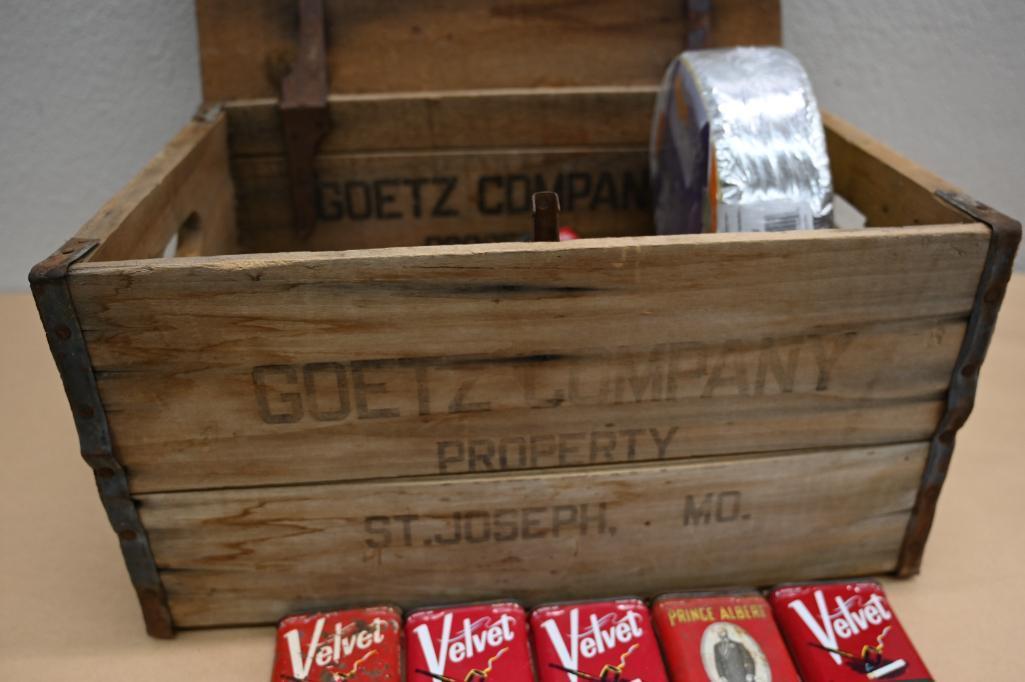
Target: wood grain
x=251 y=556
x=886 y=187
x=246 y=47
x=409 y=199
x=188 y=182
x=722 y=336
x=598 y=116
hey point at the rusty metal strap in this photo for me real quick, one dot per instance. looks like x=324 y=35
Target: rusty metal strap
x=305 y=119
x=64 y=335
x=996 y=273
x=699 y=23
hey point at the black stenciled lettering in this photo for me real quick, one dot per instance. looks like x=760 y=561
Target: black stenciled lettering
x=592 y=513
x=565 y=516
x=288 y=406
x=631 y=442
x=529 y=379
x=407 y=531
x=603 y=446
x=532 y=523
x=728 y=368
x=512 y=453
x=479 y=454
x=441 y=208
x=826 y=358
x=605 y=193
x=459 y=402
x=484 y=205
x=697 y=513
x=579 y=188
x=541 y=186
x=415 y=185
x=329 y=201
x=662 y=442
x=541 y=446
x=769 y=360
x=646 y=382
x=383 y=198
x=568 y=447
x=636 y=192
x=517 y=194
x=357 y=194
x=727 y=506
x=378 y=525
x=688 y=362
x=364 y=389
x=449 y=452
x=506 y=525
x=327 y=391
x=423 y=391
x=455 y=532
x=482 y=531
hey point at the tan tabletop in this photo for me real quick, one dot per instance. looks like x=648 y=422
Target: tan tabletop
x=69 y=611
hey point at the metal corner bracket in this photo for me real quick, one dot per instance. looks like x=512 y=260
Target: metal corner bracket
x=49 y=285
x=996 y=272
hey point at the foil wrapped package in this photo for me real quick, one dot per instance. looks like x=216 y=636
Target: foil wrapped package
x=737 y=145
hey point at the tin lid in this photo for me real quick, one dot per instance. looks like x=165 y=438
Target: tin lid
x=583 y=602
x=247 y=46
x=720 y=592
x=462 y=604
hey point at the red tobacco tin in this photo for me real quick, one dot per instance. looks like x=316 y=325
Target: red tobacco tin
x=845 y=631
x=608 y=641
x=729 y=636
x=352 y=645
x=469 y=643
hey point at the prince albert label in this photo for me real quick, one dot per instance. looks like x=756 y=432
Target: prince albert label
x=721 y=637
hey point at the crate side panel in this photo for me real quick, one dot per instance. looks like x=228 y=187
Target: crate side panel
x=304 y=368
x=474 y=119
x=251 y=556
x=667 y=401
x=411 y=199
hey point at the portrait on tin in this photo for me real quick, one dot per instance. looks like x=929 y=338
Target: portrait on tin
x=730 y=654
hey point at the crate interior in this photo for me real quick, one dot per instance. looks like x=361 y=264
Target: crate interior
x=459 y=167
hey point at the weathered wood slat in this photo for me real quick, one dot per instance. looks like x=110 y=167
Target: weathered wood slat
x=886 y=187
x=523 y=118
x=245 y=46
x=519 y=299
x=188 y=181
x=410 y=199
x=250 y=556
x=319 y=421
x=306 y=367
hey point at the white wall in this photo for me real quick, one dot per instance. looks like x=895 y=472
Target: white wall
x=90 y=89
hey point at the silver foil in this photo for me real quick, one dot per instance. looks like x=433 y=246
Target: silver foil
x=737 y=145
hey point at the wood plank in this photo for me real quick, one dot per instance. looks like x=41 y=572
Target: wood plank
x=368 y=361
x=251 y=556
x=296 y=422
x=187 y=182
x=246 y=47
x=599 y=116
x=408 y=199
x=886 y=187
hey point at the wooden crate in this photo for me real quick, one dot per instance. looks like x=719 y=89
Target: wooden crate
x=275 y=425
